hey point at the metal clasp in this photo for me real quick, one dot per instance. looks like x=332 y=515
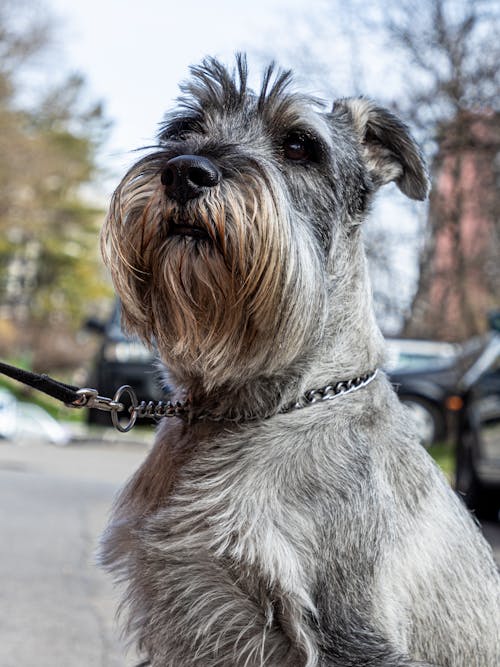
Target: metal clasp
x=89 y=398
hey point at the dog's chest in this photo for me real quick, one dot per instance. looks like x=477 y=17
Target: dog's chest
x=237 y=504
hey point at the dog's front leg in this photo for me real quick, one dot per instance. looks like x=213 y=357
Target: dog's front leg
x=193 y=612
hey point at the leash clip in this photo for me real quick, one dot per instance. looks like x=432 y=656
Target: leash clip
x=89 y=398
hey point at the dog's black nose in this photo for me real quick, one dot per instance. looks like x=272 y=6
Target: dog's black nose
x=187 y=176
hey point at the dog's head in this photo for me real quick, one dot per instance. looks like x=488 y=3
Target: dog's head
x=221 y=241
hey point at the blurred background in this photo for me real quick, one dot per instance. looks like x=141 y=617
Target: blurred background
x=83 y=84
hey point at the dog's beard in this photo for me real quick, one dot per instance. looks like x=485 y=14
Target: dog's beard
x=211 y=281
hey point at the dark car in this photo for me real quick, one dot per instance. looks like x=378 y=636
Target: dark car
x=425 y=375
x=478 y=440
x=122 y=360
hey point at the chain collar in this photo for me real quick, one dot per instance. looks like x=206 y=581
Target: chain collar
x=89 y=398
x=330 y=392
x=184 y=410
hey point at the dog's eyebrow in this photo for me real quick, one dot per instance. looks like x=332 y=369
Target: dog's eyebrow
x=177 y=126
x=302 y=128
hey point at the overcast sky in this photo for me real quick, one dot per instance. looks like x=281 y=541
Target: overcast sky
x=134 y=54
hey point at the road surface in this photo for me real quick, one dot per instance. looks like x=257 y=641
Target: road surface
x=56 y=607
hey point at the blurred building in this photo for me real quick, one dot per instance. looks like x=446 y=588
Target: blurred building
x=460 y=267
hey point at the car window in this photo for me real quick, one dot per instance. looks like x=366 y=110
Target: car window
x=410 y=355
x=419 y=362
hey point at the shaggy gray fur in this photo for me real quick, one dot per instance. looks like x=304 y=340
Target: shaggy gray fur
x=321 y=537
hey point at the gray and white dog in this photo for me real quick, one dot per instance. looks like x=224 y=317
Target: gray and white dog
x=291 y=518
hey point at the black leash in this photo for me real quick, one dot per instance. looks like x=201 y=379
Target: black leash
x=66 y=393
x=74 y=397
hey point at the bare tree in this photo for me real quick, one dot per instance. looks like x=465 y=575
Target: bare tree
x=451 y=49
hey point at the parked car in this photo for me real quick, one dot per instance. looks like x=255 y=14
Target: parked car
x=122 y=359
x=425 y=375
x=478 y=439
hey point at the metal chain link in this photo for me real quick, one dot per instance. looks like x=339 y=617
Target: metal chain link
x=331 y=391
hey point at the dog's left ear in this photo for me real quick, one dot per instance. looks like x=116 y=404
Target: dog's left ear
x=389 y=150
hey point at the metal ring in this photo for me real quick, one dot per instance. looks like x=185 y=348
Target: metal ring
x=125 y=389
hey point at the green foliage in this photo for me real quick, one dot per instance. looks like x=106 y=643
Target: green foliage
x=444 y=455
x=50 y=270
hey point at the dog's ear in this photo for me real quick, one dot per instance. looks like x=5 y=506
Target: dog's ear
x=389 y=150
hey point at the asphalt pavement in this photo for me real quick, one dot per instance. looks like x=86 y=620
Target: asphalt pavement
x=56 y=606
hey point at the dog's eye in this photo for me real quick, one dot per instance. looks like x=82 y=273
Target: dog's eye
x=299 y=147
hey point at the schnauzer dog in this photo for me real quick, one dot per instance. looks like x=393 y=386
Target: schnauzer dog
x=288 y=517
